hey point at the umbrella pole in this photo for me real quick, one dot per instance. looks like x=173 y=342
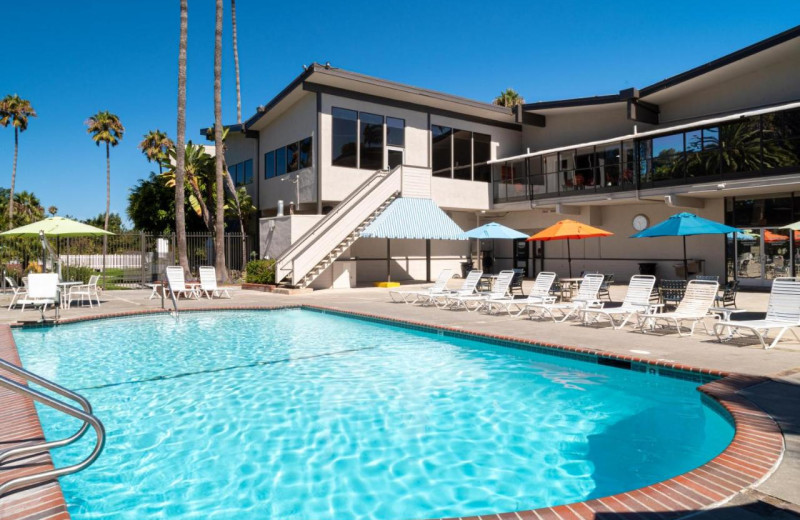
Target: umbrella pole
x=569 y=259
x=388 y=260
x=685 y=261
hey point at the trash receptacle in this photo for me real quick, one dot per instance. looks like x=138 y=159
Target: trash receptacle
x=466 y=267
x=647 y=268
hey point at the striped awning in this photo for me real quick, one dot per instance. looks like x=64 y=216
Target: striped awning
x=414 y=219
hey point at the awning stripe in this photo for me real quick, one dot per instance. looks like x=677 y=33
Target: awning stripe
x=410 y=218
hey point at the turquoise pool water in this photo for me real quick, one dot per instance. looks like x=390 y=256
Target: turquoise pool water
x=295 y=414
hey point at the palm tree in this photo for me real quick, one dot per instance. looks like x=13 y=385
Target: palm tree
x=28 y=208
x=52 y=210
x=106 y=127
x=219 y=170
x=198 y=179
x=236 y=64
x=154 y=146
x=180 y=146
x=508 y=98
x=15 y=111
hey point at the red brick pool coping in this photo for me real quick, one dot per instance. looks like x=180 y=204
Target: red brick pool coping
x=754 y=453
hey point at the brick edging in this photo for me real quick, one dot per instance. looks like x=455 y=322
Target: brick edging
x=753 y=454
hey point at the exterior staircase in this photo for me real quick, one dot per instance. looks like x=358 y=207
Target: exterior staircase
x=320 y=246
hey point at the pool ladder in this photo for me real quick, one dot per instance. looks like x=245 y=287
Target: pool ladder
x=27 y=450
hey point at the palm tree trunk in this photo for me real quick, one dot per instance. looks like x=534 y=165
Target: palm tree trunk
x=108 y=208
x=13 y=180
x=219 y=219
x=232 y=189
x=180 y=146
x=236 y=64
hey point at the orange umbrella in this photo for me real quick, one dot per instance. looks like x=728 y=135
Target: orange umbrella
x=770 y=237
x=566 y=230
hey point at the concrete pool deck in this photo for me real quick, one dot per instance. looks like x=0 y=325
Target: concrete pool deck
x=778 y=393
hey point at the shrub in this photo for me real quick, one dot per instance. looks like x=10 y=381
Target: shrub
x=260 y=271
x=78 y=274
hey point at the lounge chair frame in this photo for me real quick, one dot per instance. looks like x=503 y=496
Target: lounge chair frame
x=585 y=299
x=637 y=300
x=540 y=293
x=693 y=307
x=412 y=296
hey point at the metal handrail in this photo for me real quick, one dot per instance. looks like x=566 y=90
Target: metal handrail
x=84 y=415
x=368 y=184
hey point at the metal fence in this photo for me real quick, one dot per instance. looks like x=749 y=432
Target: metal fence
x=131 y=259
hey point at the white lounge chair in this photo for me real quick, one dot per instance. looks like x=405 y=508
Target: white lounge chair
x=42 y=291
x=468 y=287
x=637 y=300
x=499 y=291
x=208 y=283
x=586 y=298
x=693 y=307
x=540 y=293
x=783 y=314
x=88 y=291
x=17 y=291
x=411 y=296
x=177 y=283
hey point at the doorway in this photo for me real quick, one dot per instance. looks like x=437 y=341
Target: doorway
x=763 y=254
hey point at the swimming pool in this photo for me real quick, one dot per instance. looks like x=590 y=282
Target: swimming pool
x=294 y=414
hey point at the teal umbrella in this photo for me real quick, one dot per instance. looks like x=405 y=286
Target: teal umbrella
x=493 y=230
x=684 y=225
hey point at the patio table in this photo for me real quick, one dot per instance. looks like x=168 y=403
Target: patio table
x=63 y=290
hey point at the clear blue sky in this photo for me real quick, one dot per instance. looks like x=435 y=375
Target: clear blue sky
x=71 y=59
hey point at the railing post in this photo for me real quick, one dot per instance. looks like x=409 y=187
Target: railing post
x=142 y=266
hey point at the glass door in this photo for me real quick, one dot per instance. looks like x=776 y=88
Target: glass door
x=763 y=255
x=394 y=156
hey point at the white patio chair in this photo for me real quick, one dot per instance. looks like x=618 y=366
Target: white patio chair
x=87 y=291
x=637 y=300
x=18 y=292
x=585 y=299
x=468 y=287
x=499 y=291
x=693 y=307
x=42 y=291
x=783 y=314
x=411 y=296
x=208 y=283
x=540 y=293
x=177 y=283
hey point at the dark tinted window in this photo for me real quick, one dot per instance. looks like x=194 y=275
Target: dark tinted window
x=280 y=161
x=371 y=141
x=248 y=171
x=306 y=153
x=345 y=123
x=269 y=165
x=462 y=154
x=395 y=132
x=482 y=152
x=292 y=157
x=440 y=150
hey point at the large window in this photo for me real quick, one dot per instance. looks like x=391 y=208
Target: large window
x=269 y=165
x=242 y=173
x=460 y=154
x=345 y=137
x=371 y=157
x=290 y=158
x=395 y=132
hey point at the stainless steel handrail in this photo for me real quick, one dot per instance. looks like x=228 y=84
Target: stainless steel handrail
x=84 y=415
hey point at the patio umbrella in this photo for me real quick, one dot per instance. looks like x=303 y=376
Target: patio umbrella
x=56 y=227
x=683 y=225
x=493 y=231
x=567 y=230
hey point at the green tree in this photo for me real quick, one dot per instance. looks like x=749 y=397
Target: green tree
x=508 y=98
x=155 y=145
x=151 y=208
x=106 y=127
x=219 y=171
x=114 y=222
x=52 y=210
x=180 y=146
x=199 y=179
x=15 y=111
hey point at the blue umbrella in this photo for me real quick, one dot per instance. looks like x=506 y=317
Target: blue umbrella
x=494 y=230
x=683 y=225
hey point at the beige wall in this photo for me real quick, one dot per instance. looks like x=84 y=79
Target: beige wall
x=296 y=123
x=239 y=149
x=620 y=254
